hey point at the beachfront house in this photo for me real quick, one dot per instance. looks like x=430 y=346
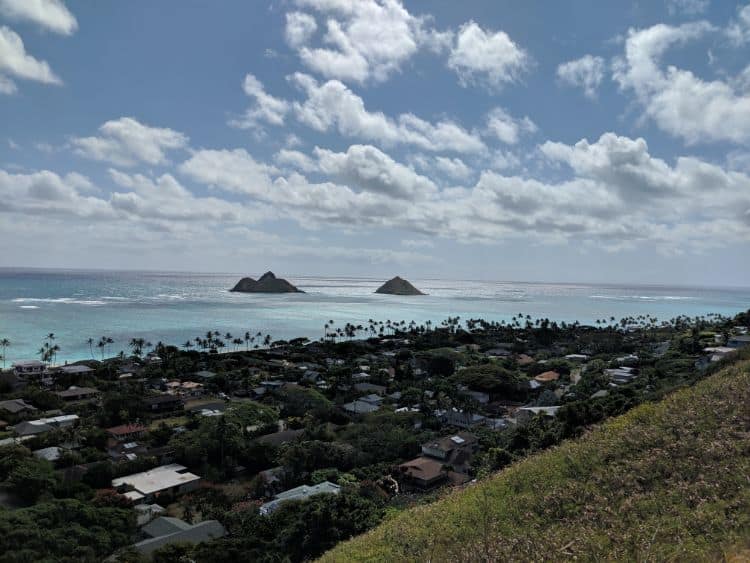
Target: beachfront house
x=32 y=371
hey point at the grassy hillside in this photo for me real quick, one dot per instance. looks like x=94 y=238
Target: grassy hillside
x=666 y=481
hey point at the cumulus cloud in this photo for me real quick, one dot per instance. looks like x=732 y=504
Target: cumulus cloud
x=367 y=168
x=364 y=40
x=334 y=106
x=585 y=73
x=296 y=159
x=15 y=62
x=678 y=101
x=506 y=128
x=47 y=193
x=300 y=27
x=455 y=168
x=738 y=30
x=51 y=15
x=487 y=57
x=126 y=142
x=266 y=108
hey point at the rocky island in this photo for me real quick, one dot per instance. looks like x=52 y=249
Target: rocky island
x=398 y=286
x=267 y=283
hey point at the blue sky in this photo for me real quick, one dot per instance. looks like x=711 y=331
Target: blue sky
x=565 y=141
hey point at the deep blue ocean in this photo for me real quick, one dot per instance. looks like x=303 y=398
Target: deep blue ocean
x=174 y=307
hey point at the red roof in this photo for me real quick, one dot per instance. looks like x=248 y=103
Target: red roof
x=125 y=429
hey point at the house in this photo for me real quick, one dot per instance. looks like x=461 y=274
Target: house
x=148 y=485
x=32 y=371
x=302 y=492
x=524 y=414
x=423 y=472
x=620 y=375
x=17 y=406
x=462 y=419
x=369 y=387
x=52 y=453
x=576 y=357
x=361 y=407
x=76 y=369
x=718 y=353
x=127 y=432
x=547 y=377
x=72 y=394
x=163 y=530
x=43 y=425
x=163 y=404
x=738 y=341
x=312 y=376
x=456 y=450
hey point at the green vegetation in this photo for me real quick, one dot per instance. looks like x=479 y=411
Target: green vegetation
x=666 y=481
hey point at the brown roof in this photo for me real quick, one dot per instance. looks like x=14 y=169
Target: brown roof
x=525 y=359
x=125 y=429
x=422 y=468
x=547 y=376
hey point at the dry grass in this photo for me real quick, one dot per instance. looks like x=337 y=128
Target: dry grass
x=665 y=482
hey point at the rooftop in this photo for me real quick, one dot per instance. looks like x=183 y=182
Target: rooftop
x=157 y=479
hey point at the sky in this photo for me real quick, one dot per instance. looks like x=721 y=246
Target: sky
x=571 y=141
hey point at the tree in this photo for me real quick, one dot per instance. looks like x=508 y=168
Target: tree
x=4 y=343
x=31 y=478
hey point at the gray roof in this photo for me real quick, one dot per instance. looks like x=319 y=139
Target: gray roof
x=16 y=405
x=28 y=429
x=204 y=531
x=303 y=492
x=360 y=407
x=163 y=526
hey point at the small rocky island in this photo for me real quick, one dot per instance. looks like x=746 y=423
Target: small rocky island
x=267 y=283
x=398 y=286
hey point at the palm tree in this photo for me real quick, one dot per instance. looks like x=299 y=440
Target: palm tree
x=90 y=342
x=4 y=343
x=188 y=345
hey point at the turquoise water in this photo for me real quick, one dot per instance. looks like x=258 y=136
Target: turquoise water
x=174 y=307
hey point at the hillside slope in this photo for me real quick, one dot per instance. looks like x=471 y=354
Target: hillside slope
x=666 y=481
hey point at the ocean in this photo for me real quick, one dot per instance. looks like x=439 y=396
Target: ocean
x=175 y=307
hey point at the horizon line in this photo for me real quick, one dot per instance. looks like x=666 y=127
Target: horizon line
x=431 y=278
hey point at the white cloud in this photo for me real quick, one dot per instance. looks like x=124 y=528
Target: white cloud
x=165 y=199
x=506 y=128
x=678 y=101
x=7 y=86
x=126 y=142
x=333 y=105
x=585 y=73
x=738 y=31
x=687 y=7
x=48 y=14
x=296 y=159
x=266 y=108
x=481 y=56
x=14 y=61
x=47 y=193
x=367 y=168
x=300 y=27
x=454 y=168
x=364 y=40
